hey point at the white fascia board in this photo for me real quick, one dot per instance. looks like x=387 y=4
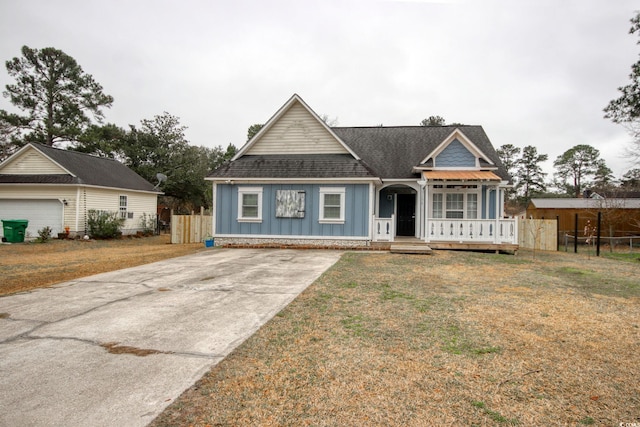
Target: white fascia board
x=53 y=185
x=15 y=155
x=52 y=161
x=418 y=169
x=27 y=147
x=464 y=140
x=292 y=180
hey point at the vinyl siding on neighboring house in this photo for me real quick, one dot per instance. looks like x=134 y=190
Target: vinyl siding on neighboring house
x=109 y=200
x=297 y=132
x=39 y=192
x=356 y=220
x=32 y=162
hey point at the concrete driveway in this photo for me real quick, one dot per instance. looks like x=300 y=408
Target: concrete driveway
x=115 y=349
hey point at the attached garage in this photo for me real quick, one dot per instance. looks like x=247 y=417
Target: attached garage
x=39 y=213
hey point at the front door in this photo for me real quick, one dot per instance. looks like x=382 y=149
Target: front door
x=406 y=225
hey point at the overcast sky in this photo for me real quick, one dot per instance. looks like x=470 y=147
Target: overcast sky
x=531 y=72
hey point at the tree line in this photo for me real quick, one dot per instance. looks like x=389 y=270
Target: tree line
x=580 y=168
x=579 y=172
x=63 y=106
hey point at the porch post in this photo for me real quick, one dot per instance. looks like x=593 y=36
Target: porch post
x=497 y=219
x=373 y=209
x=426 y=211
x=422 y=213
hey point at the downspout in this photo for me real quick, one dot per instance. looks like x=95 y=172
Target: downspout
x=426 y=210
x=77 y=221
x=214 y=205
x=372 y=209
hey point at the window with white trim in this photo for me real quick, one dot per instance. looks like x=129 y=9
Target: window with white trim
x=454 y=205
x=332 y=204
x=436 y=207
x=122 y=208
x=250 y=204
x=455 y=202
x=472 y=206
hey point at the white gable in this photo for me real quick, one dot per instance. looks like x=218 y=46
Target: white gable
x=30 y=161
x=295 y=129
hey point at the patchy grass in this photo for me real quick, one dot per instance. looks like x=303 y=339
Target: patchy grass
x=28 y=266
x=455 y=338
x=622 y=256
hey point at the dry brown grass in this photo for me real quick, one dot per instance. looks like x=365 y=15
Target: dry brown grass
x=27 y=266
x=450 y=339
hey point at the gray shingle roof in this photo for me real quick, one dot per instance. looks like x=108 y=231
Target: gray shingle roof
x=85 y=170
x=385 y=152
x=392 y=152
x=294 y=166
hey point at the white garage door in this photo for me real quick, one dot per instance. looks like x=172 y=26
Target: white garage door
x=39 y=213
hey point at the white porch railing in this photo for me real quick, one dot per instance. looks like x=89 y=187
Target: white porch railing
x=473 y=230
x=384 y=229
x=455 y=230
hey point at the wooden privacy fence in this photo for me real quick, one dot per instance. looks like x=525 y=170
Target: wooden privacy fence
x=538 y=234
x=192 y=228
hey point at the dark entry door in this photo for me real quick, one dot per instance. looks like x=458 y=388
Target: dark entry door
x=406 y=225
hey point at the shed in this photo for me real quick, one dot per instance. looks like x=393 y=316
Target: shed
x=622 y=214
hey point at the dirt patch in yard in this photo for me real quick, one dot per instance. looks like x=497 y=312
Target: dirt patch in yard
x=456 y=338
x=27 y=266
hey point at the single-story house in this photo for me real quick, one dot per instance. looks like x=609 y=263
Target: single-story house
x=299 y=181
x=57 y=188
x=623 y=214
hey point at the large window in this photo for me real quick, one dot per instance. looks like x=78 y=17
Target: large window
x=250 y=204
x=123 y=207
x=331 y=205
x=454 y=204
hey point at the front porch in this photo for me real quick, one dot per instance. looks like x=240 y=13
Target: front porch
x=454 y=234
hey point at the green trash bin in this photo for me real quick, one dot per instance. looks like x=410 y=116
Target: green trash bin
x=14 y=229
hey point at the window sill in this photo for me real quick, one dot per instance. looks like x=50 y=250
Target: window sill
x=254 y=220
x=331 y=221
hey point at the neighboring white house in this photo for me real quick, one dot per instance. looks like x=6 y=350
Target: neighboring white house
x=57 y=188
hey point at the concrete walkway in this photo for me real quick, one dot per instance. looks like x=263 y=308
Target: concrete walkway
x=115 y=349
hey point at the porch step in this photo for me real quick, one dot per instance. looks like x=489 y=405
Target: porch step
x=409 y=248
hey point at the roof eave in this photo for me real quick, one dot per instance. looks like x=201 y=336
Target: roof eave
x=266 y=180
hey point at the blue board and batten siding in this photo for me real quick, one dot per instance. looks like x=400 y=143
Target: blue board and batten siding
x=356 y=216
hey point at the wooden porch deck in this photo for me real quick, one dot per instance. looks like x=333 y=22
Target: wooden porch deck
x=412 y=245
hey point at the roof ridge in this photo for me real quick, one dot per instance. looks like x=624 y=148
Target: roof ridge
x=66 y=150
x=402 y=126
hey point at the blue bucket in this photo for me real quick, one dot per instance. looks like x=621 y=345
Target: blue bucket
x=208 y=243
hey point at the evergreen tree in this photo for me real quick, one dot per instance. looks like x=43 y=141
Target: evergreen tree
x=626 y=108
x=59 y=98
x=575 y=166
x=531 y=179
x=508 y=155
